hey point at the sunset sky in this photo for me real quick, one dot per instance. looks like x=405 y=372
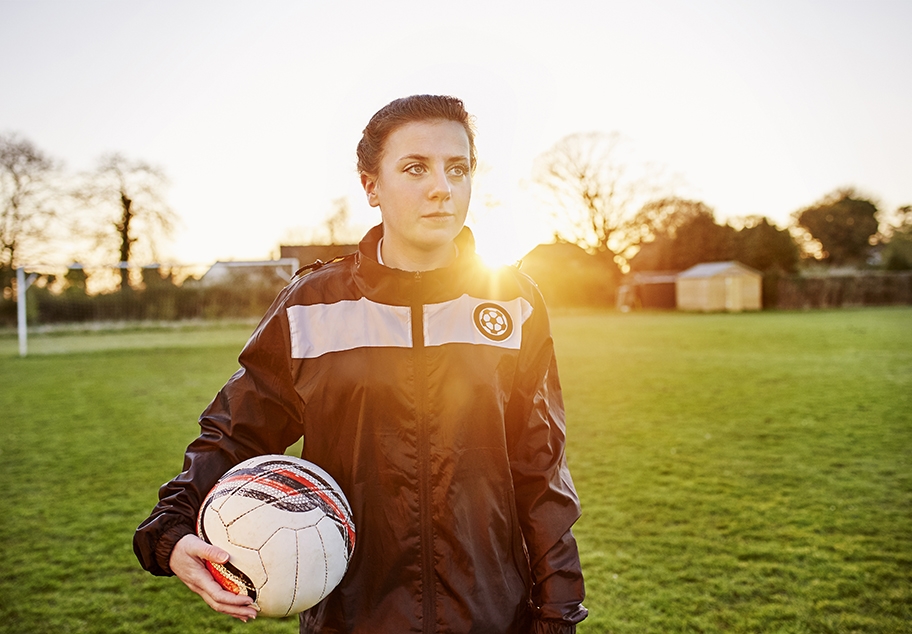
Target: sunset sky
x=253 y=109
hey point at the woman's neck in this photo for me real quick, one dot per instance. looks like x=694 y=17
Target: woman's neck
x=419 y=260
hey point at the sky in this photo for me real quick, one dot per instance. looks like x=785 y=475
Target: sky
x=253 y=109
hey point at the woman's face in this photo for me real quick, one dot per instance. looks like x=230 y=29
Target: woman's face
x=422 y=188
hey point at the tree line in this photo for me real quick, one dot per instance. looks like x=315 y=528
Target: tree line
x=623 y=213
x=157 y=295
x=628 y=216
x=116 y=212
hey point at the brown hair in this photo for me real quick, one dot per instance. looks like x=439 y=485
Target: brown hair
x=409 y=110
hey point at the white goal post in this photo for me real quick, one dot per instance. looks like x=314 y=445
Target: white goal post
x=22 y=284
x=215 y=274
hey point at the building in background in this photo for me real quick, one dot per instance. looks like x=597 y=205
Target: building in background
x=309 y=253
x=568 y=276
x=719 y=286
x=648 y=290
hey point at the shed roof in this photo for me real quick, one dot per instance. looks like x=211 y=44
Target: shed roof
x=307 y=253
x=716 y=269
x=562 y=250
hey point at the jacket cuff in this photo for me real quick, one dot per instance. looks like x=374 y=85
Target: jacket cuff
x=552 y=627
x=166 y=543
x=565 y=625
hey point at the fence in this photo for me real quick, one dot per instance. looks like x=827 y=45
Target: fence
x=867 y=288
x=239 y=290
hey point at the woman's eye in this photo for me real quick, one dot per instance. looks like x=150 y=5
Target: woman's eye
x=415 y=168
x=459 y=170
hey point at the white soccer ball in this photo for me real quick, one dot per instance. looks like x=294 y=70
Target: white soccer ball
x=287 y=528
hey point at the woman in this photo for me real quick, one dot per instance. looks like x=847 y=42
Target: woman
x=426 y=385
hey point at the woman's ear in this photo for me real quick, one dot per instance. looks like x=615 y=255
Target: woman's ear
x=369 y=183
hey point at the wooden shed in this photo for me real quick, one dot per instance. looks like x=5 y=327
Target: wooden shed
x=649 y=290
x=719 y=286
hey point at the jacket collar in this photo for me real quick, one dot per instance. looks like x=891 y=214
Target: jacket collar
x=395 y=286
x=465 y=242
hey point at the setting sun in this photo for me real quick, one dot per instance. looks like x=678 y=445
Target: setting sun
x=499 y=245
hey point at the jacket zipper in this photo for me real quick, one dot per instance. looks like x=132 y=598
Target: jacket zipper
x=428 y=592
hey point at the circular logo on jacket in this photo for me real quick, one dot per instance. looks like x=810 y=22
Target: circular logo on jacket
x=493 y=322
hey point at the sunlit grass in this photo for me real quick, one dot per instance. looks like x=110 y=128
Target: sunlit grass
x=85 y=442
x=739 y=473
x=73 y=338
x=743 y=473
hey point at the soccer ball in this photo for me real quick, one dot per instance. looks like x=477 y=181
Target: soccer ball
x=287 y=528
x=493 y=321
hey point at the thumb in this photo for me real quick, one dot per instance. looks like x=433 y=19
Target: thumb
x=201 y=549
x=214 y=554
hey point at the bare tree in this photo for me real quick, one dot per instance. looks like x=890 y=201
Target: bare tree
x=133 y=215
x=597 y=188
x=337 y=222
x=27 y=196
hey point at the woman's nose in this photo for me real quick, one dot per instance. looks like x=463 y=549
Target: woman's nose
x=440 y=185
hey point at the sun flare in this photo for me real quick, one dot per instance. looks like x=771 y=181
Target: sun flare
x=498 y=249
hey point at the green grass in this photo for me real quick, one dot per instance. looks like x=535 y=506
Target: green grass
x=86 y=440
x=743 y=473
x=738 y=473
x=127 y=335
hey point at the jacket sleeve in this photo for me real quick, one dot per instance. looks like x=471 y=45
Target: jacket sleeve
x=546 y=500
x=257 y=412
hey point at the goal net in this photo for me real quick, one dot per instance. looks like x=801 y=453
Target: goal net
x=87 y=297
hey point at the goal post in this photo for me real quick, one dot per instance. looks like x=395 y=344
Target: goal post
x=81 y=297
x=22 y=284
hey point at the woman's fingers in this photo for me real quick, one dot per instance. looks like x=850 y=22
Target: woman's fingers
x=188 y=562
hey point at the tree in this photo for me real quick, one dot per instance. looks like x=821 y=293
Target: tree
x=679 y=233
x=597 y=189
x=337 y=223
x=843 y=223
x=765 y=247
x=27 y=196
x=663 y=217
x=128 y=195
x=76 y=281
x=897 y=254
x=684 y=233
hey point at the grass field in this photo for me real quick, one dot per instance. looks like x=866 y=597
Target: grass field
x=738 y=473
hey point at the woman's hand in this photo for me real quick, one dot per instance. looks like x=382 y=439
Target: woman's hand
x=188 y=562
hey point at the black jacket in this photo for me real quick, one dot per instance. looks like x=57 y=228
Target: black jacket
x=433 y=400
